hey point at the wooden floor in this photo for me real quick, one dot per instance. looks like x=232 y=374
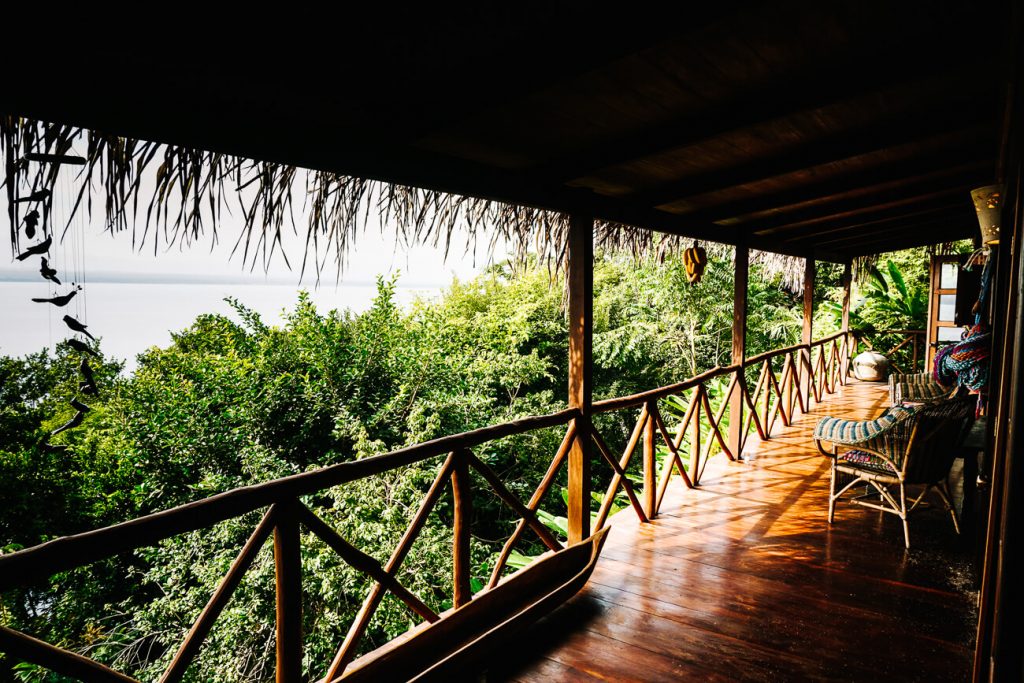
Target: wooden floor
x=742 y=579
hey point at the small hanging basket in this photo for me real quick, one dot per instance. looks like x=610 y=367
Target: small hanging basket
x=988 y=202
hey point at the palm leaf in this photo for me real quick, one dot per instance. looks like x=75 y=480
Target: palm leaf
x=897 y=279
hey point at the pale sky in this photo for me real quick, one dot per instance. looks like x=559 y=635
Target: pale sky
x=133 y=299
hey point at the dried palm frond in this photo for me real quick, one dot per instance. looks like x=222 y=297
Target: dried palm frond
x=789 y=268
x=176 y=195
x=862 y=267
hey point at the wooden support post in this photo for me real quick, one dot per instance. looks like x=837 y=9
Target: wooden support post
x=844 y=368
x=462 y=497
x=739 y=349
x=807 y=335
x=580 y=281
x=650 y=465
x=288 y=568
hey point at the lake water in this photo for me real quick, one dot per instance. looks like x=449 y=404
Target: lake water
x=130 y=317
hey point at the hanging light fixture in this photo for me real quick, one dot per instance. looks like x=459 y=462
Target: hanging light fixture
x=988 y=202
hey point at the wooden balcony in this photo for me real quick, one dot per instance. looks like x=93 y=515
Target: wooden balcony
x=743 y=579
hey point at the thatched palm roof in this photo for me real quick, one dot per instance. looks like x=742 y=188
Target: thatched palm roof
x=176 y=195
x=832 y=130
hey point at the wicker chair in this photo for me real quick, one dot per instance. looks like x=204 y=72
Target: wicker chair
x=907 y=446
x=920 y=387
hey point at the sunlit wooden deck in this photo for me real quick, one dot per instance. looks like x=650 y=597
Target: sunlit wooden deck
x=742 y=579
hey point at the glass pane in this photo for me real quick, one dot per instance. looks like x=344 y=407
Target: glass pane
x=947 y=278
x=950 y=334
x=947 y=307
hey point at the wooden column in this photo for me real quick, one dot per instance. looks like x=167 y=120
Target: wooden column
x=580 y=282
x=462 y=499
x=739 y=347
x=998 y=652
x=807 y=334
x=288 y=568
x=847 y=284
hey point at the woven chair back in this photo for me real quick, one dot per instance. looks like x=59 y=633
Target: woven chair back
x=939 y=433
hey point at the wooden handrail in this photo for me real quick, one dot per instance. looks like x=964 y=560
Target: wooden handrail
x=25 y=566
x=285 y=513
x=754 y=360
x=612 y=404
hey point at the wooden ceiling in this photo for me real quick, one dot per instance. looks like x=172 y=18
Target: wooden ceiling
x=806 y=127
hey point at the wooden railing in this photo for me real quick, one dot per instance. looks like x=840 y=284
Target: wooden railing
x=905 y=349
x=788 y=379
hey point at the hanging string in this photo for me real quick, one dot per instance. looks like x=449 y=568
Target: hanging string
x=70 y=247
x=83 y=241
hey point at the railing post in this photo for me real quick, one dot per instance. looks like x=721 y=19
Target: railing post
x=787 y=385
x=844 y=367
x=808 y=328
x=288 y=570
x=580 y=282
x=650 y=464
x=462 y=498
x=695 y=437
x=739 y=349
x=767 y=398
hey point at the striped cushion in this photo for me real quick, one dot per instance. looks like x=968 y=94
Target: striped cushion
x=837 y=430
x=915 y=378
x=866 y=461
x=920 y=392
x=919 y=386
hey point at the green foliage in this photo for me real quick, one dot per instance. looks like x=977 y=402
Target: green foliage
x=235 y=401
x=889 y=300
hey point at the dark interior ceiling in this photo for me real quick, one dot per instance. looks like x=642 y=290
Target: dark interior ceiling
x=832 y=128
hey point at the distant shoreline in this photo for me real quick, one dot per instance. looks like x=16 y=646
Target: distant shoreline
x=27 y=274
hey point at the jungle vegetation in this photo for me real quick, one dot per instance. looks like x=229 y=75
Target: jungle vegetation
x=235 y=401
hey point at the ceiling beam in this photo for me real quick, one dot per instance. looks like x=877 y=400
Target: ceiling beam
x=930 y=215
x=887 y=204
x=961 y=119
x=963 y=180
x=820 y=85
x=861 y=183
x=938 y=226
x=908 y=242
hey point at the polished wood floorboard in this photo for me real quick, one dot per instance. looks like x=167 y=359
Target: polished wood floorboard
x=743 y=579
